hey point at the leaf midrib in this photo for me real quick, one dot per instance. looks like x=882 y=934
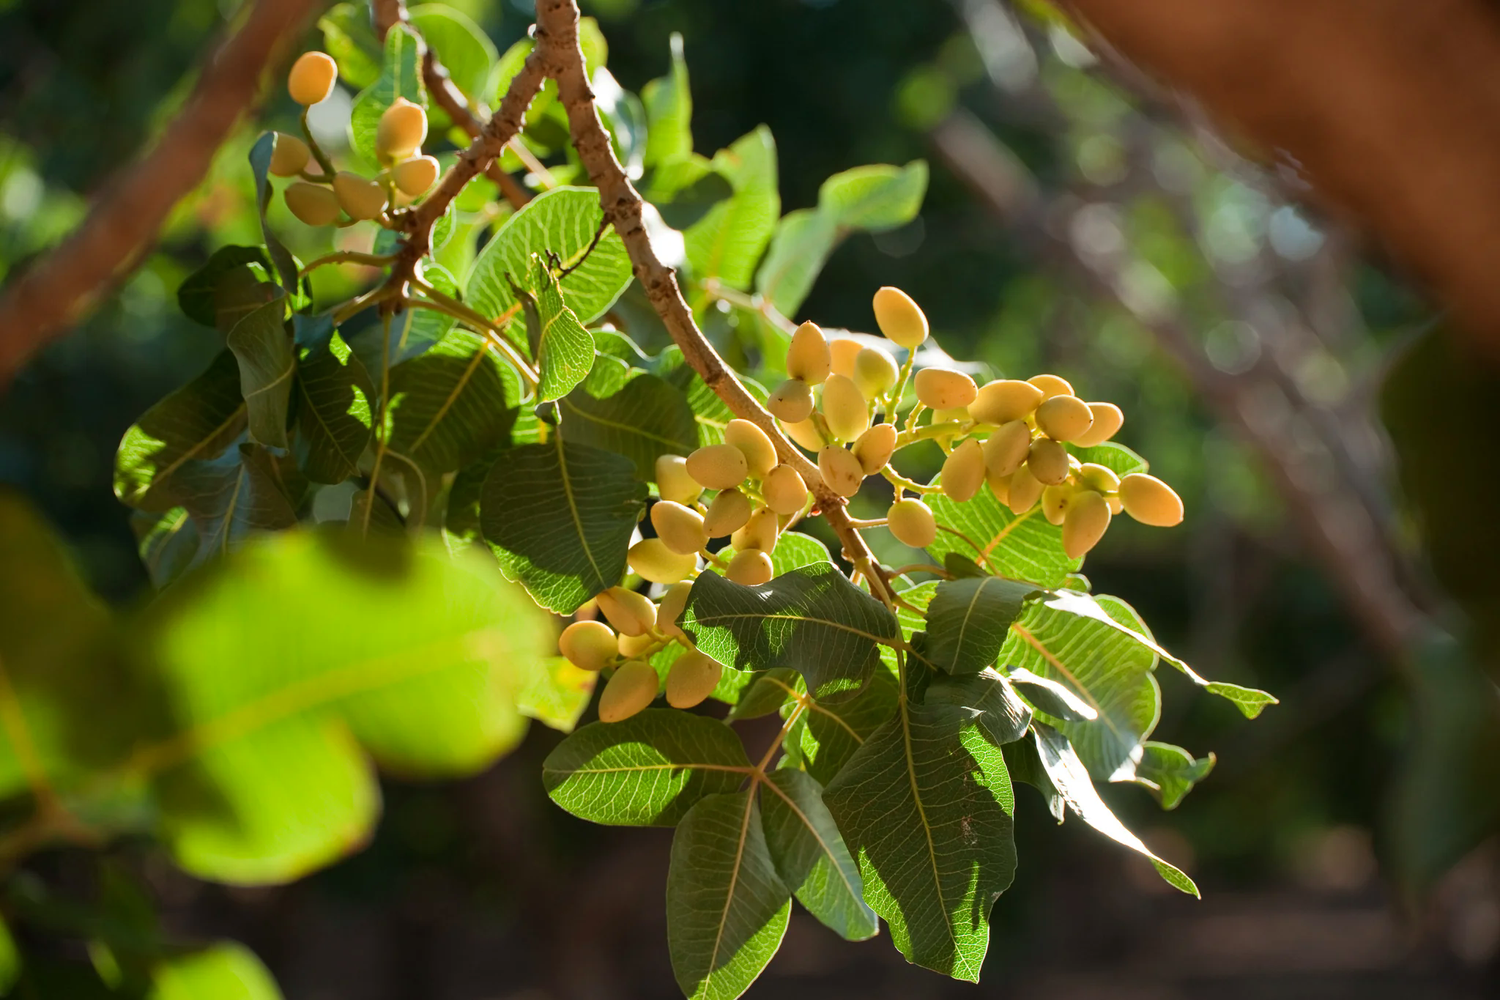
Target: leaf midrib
x=567 y=485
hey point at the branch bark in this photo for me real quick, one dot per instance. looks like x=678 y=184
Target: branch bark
x=1391 y=109
x=58 y=290
x=557 y=43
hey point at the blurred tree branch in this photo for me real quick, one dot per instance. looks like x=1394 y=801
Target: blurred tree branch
x=59 y=289
x=1390 y=109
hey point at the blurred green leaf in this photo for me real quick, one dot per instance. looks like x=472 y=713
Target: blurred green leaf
x=460 y=45
x=669 y=112
x=555 y=692
x=876 y=197
x=225 y=971
x=349 y=38
x=799 y=249
x=400 y=76
x=727 y=243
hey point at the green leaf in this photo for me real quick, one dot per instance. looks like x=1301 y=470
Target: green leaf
x=709 y=410
x=1103 y=667
x=564 y=222
x=400 y=76
x=1051 y=697
x=349 y=38
x=229 y=498
x=876 y=197
x=559 y=517
x=684 y=190
x=460 y=45
x=267 y=367
x=452 y=404
x=167 y=543
x=799 y=249
x=729 y=240
x=633 y=414
x=924 y=805
x=197 y=296
x=225 y=971
x=281 y=696
x=260 y=167
x=1023 y=547
x=810 y=855
x=1115 y=457
x=989 y=699
x=1250 y=701
x=727 y=909
x=812 y=620
x=10 y=960
x=795 y=550
x=563 y=348
x=197 y=421
x=669 y=112
x=556 y=692
x=829 y=734
x=1025 y=765
x=1072 y=781
x=1169 y=772
x=414 y=331
x=647 y=770
x=969 y=619
x=624 y=116
x=334 y=415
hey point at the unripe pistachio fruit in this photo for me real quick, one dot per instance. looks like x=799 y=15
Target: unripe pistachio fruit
x=784 y=490
x=805 y=433
x=1150 y=501
x=1048 y=461
x=629 y=691
x=654 y=561
x=963 y=471
x=942 y=389
x=1086 y=522
x=670 y=608
x=1098 y=477
x=1108 y=419
x=628 y=611
x=808 y=357
x=1064 y=418
x=415 y=175
x=791 y=402
x=899 y=318
x=757 y=533
x=673 y=482
x=587 y=645
x=875 y=371
x=844 y=408
x=999 y=484
x=1055 y=502
x=691 y=678
x=718 y=466
x=843 y=351
x=679 y=527
x=751 y=568
x=402 y=130
x=728 y=513
x=912 y=523
x=1052 y=385
x=359 y=197
x=312 y=204
x=1007 y=448
x=1004 y=400
x=874 y=447
x=1025 y=491
x=759 y=452
x=311 y=77
x=840 y=470
x=289 y=156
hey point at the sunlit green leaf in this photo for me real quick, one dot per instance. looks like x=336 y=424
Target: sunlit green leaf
x=800 y=247
x=969 y=619
x=634 y=414
x=563 y=349
x=335 y=397
x=1051 y=697
x=463 y=48
x=350 y=39
x=727 y=243
x=400 y=76
x=669 y=112
x=989 y=699
x=1170 y=772
x=225 y=971
x=1023 y=547
x=811 y=857
x=555 y=692
x=876 y=197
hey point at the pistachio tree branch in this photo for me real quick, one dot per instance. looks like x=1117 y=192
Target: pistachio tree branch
x=557 y=44
x=389 y=13
x=59 y=290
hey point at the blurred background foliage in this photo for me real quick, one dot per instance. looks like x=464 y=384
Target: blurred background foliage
x=1076 y=221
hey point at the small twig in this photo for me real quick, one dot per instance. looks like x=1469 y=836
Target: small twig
x=347 y=257
x=598 y=235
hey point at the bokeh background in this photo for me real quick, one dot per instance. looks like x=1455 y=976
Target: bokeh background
x=1079 y=220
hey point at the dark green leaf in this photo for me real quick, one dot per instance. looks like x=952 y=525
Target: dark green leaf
x=1072 y=781
x=334 y=416
x=925 y=805
x=196 y=296
x=636 y=415
x=648 y=770
x=167 y=543
x=811 y=857
x=281 y=258
x=829 y=734
x=238 y=494
x=452 y=404
x=969 y=619
x=400 y=76
x=559 y=517
x=1057 y=700
x=1170 y=772
x=727 y=909
x=197 y=421
x=812 y=620
x=267 y=368
x=1025 y=765
x=988 y=699
x=350 y=39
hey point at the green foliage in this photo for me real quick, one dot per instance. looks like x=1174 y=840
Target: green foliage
x=400 y=76
x=224 y=971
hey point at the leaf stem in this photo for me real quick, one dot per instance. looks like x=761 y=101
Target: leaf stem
x=317 y=151
x=897 y=479
x=348 y=257
x=446 y=304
